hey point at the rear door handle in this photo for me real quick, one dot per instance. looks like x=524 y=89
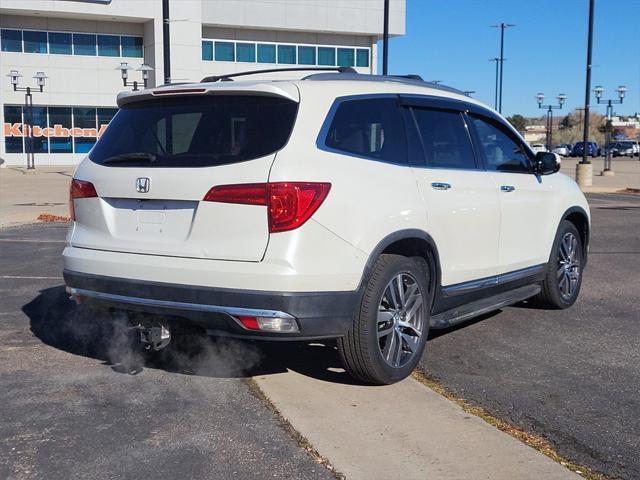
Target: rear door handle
x=441 y=186
x=507 y=188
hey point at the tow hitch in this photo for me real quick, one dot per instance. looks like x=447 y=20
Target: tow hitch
x=154 y=334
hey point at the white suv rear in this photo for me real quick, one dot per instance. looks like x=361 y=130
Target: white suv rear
x=335 y=205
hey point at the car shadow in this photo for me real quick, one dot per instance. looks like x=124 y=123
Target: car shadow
x=59 y=322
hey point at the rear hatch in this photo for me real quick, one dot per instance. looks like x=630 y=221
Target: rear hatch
x=160 y=156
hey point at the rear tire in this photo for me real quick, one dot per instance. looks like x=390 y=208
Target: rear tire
x=563 y=277
x=389 y=332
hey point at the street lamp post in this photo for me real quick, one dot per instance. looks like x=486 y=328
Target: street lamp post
x=502 y=26
x=124 y=68
x=40 y=77
x=495 y=98
x=550 y=108
x=599 y=90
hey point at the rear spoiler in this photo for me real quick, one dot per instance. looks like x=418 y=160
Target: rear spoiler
x=271 y=89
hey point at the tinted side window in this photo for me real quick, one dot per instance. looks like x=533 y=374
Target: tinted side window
x=501 y=151
x=445 y=139
x=369 y=127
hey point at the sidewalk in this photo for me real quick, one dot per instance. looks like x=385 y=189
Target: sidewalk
x=627 y=174
x=24 y=197
x=403 y=431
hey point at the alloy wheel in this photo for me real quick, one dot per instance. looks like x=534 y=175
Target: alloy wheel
x=568 y=266
x=401 y=320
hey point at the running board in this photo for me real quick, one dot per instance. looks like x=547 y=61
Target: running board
x=479 y=307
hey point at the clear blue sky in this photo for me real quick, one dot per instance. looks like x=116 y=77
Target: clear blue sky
x=450 y=40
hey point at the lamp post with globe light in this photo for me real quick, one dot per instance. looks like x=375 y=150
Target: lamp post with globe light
x=124 y=68
x=550 y=108
x=41 y=78
x=599 y=90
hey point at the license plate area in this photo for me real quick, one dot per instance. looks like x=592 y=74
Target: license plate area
x=160 y=220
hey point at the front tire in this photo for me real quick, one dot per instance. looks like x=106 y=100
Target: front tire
x=389 y=332
x=563 y=277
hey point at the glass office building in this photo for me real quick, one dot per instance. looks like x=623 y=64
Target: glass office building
x=81 y=44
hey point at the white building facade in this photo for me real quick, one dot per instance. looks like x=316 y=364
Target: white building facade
x=79 y=45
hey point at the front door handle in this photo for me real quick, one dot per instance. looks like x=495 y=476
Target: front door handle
x=441 y=186
x=507 y=188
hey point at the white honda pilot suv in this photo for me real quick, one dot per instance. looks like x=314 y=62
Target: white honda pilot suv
x=327 y=205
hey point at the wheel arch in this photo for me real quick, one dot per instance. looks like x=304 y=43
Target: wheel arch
x=408 y=243
x=578 y=216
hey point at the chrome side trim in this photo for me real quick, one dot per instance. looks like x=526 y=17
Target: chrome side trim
x=200 y=307
x=467 y=287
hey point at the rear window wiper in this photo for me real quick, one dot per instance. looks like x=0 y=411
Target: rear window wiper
x=131 y=157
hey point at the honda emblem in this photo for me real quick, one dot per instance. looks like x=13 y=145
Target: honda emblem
x=143 y=184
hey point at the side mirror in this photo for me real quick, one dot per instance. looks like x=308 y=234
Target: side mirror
x=546 y=163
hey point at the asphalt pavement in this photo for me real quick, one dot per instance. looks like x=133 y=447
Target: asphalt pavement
x=572 y=376
x=70 y=407
x=75 y=403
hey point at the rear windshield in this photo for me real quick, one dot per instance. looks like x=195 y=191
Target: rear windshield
x=197 y=131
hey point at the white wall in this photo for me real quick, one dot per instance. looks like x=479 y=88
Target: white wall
x=363 y=17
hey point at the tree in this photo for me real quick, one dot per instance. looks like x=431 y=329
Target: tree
x=518 y=122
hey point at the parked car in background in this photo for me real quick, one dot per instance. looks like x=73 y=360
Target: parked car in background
x=593 y=150
x=563 y=150
x=626 y=148
x=539 y=147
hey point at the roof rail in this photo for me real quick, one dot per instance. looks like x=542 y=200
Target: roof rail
x=406 y=79
x=231 y=76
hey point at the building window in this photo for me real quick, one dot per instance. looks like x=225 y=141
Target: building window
x=60 y=43
x=307 y=55
x=108 y=45
x=85 y=119
x=104 y=117
x=11 y=40
x=246 y=52
x=362 y=57
x=287 y=54
x=224 y=51
x=207 y=50
x=326 y=56
x=345 y=57
x=55 y=129
x=40 y=141
x=266 y=53
x=132 y=47
x=13 y=117
x=60 y=121
x=34 y=42
x=84 y=44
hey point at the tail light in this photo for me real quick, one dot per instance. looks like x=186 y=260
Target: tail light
x=80 y=189
x=289 y=204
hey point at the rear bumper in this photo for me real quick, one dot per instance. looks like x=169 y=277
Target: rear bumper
x=317 y=314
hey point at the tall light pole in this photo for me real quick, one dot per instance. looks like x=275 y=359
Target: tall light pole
x=599 y=90
x=502 y=26
x=40 y=77
x=495 y=98
x=584 y=169
x=385 y=39
x=550 y=108
x=166 y=42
